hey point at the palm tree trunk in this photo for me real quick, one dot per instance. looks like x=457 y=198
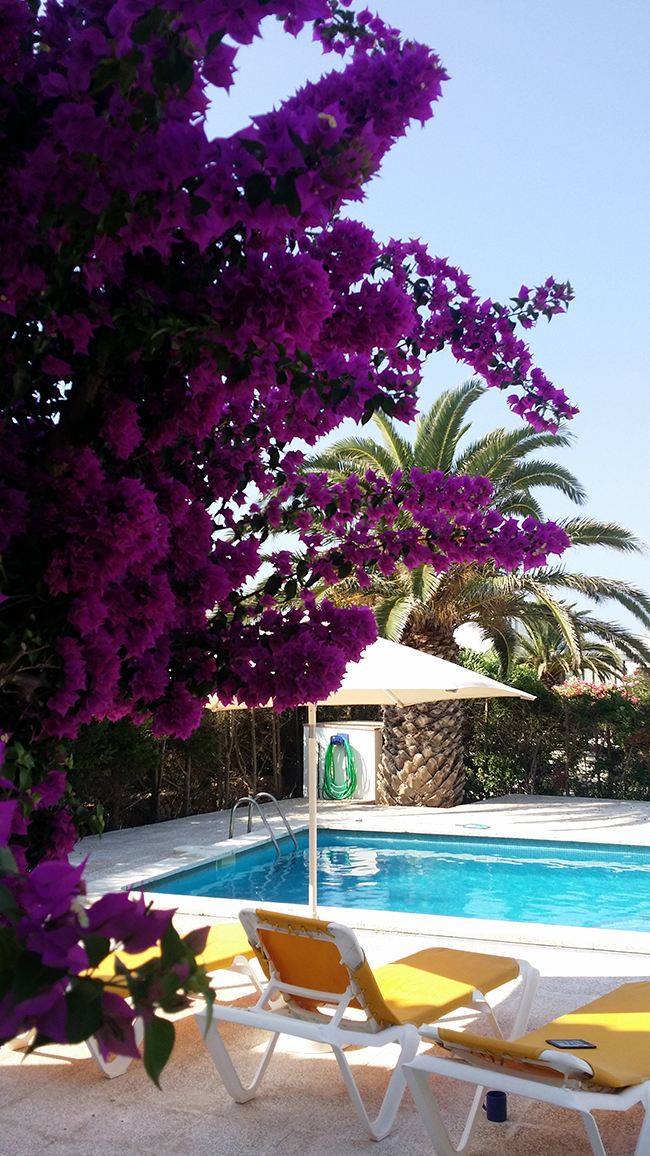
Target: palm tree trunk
x=422 y=759
x=422 y=762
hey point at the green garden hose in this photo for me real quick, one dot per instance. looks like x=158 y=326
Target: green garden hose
x=345 y=789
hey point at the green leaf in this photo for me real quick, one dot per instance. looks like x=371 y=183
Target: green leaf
x=198 y=205
x=97 y=948
x=8 y=946
x=31 y=976
x=171 y=948
x=147 y=25
x=254 y=147
x=177 y=68
x=7 y=902
x=84 y=1004
x=195 y=940
x=121 y=71
x=8 y=865
x=257 y=189
x=273 y=584
x=286 y=193
x=159 y=1038
x=214 y=39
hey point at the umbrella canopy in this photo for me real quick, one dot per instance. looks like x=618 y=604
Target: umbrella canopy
x=389 y=674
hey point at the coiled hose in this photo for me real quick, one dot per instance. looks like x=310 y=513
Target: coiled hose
x=345 y=789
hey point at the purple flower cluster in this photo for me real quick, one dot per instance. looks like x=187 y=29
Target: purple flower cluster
x=176 y=310
x=52 y=933
x=51 y=940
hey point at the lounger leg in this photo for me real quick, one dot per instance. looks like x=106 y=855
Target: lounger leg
x=426 y=1105
x=118 y=1065
x=224 y=1065
x=643 y=1143
x=385 y=1118
x=480 y=1003
x=21 y=1042
x=591 y=1127
x=243 y=966
x=530 y=978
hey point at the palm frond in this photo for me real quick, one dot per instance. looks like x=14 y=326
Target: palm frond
x=499 y=449
x=525 y=475
x=633 y=647
x=519 y=506
x=425 y=581
x=353 y=456
x=397 y=446
x=439 y=430
x=588 y=532
x=600 y=590
x=392 y=615
x=504 y=642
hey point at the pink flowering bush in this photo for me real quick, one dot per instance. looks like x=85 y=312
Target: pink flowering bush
x=174 y=311
x=628 y=690
x=612 y=722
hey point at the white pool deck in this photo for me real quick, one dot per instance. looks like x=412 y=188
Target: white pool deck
x=56 y=1102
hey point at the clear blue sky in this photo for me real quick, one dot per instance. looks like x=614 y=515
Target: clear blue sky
x=536 y=162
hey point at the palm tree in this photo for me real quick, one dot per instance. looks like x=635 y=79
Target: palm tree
x=544 y=648
x=422 y=761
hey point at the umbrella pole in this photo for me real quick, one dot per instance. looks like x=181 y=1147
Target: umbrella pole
x=312 y=789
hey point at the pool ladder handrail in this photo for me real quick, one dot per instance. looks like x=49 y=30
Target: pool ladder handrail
x=264 y=796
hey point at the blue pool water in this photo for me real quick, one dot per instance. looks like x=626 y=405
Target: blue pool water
x=579 y=884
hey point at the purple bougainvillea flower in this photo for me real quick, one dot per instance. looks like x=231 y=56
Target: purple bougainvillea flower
x=116 y=1033
x=128 y=920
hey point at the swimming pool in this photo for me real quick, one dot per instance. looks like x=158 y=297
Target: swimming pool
x=576 y=884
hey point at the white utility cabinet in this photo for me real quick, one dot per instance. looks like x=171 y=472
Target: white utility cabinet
x=365 y=739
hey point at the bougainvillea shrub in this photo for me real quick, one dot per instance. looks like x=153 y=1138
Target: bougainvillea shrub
x=174 y=311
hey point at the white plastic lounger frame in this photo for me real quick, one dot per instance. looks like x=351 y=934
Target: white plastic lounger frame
x=276 y=1020
x=109 y=1068
x=278 y=1013
x=548 y=1090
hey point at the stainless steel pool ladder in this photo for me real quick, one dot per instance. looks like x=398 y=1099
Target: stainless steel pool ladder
x=262 y=796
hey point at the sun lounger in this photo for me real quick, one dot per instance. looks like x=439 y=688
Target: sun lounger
x=227 y=948
x=612 y=1076
x=322 y=989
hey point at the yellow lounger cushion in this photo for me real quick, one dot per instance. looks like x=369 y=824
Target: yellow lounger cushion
x=618 y=1023
x=427 y=985
x=417 y=989
x=224 y=942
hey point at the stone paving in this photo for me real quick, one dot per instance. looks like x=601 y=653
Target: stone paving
x=56 y=1102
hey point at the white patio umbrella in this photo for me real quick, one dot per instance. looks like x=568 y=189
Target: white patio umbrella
x=388 y=674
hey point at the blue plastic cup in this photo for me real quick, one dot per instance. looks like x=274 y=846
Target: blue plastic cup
x=496 y=1107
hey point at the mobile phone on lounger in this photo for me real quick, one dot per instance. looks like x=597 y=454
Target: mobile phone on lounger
x=570 y=1044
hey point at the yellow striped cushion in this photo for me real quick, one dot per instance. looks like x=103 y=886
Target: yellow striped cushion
x=618 y=1023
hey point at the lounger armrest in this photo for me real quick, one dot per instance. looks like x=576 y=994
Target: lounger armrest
x=429 y=1032
x=565 y=1062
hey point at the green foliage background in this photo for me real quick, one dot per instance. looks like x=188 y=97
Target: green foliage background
x=597 y=747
